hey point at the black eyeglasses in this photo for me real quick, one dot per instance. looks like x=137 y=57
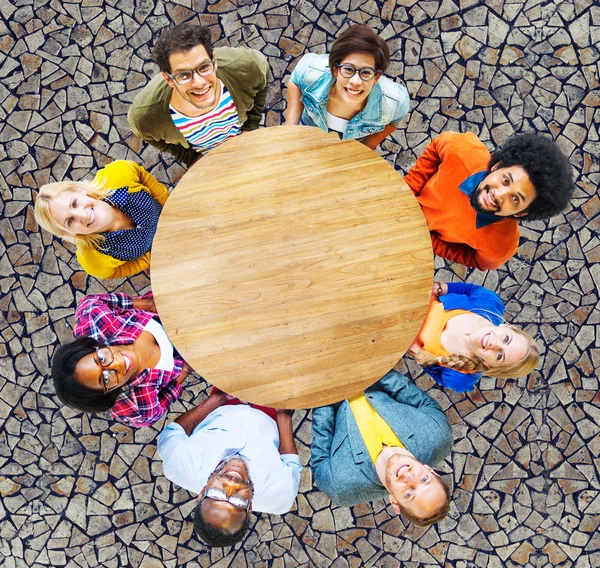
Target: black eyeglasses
x=237 y=500
x=348 y=71
x=105 y=358
x=184 y=77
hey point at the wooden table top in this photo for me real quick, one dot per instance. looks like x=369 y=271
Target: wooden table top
x=292 y=269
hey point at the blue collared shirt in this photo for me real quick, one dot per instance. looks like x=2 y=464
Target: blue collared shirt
x=468 y=187
x=189 y=461
x=387 y=103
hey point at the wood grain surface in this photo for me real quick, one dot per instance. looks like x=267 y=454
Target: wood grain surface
x=292 y=269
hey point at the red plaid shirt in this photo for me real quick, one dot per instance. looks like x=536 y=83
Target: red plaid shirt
x=111 y=320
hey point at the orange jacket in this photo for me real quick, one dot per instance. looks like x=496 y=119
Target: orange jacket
x=448 y=161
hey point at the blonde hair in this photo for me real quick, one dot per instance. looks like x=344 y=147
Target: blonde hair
x=465 y=363
x=45 y=220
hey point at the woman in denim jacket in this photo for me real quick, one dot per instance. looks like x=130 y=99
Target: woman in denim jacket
x=346 y=92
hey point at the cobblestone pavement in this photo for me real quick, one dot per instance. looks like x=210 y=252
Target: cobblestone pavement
x=80 y=490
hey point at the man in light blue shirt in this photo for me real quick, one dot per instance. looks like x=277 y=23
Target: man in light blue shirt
x=238 y=458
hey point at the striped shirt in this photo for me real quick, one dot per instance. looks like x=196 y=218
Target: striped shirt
x=211 y=129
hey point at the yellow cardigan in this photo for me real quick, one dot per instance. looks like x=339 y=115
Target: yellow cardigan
x=119 y=174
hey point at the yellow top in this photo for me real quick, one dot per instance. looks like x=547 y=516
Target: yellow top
x=373 y=429
x=118 y=174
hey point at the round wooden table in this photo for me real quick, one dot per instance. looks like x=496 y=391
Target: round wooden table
x=291 y=269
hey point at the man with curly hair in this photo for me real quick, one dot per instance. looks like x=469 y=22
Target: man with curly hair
x=202 y=97
x=472 y=200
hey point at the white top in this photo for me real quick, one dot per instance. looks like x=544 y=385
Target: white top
x=336 y=123
x=189 y=461
x=167 y=361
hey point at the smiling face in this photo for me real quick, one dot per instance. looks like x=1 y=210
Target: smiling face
x=125 y=364
x=413 y=486
x=504 y=192
x=233 y=478
x=498 y=345
x=80 y=214
x=201 y=94
x=354 y=91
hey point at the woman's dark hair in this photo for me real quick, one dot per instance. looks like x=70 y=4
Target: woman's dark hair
x=547 y=167
x=68 y=389
x=179 y=39
x=359 y=39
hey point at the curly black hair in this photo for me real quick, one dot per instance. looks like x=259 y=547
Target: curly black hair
x=215 y=536
x=67 y=387
x=179 y=39
x=548 y=169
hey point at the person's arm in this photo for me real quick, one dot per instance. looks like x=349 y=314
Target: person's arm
x=105 y=267
x=255 y=113
x=190 y=419
x=402 y=390
x=101 y=315
x=425 y=168
x=323 y=429
x=286 y=432
x=453 y=379
x=295 y=107
x=456 y=252
x=439 y=289
x=373 y=140
x=185 y=372
x=156 y=189
x=145 y=304
x=261 y=86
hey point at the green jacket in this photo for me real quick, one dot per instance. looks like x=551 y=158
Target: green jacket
x=245 y=73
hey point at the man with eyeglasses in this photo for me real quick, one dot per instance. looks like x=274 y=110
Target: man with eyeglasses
x=239 y=458
x=202 y=97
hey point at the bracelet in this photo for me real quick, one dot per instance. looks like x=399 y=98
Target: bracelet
x=439 y=289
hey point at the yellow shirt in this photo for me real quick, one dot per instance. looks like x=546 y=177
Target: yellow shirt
x=114 y=175
x=373 y=429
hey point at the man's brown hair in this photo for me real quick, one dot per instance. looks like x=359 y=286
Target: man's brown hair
x=435 y=517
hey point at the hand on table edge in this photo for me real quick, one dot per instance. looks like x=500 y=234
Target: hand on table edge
x=286 y=431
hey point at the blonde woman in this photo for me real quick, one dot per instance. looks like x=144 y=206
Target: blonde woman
x=464 y=336
x=111 y=219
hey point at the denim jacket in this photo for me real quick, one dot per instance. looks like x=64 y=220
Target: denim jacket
x=387 y=102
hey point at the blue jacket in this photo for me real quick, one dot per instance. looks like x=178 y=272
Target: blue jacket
x=387 y=102
x=341 y=465
x=480 y=301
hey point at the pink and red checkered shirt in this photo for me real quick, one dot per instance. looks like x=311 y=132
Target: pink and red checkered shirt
x=111 y=320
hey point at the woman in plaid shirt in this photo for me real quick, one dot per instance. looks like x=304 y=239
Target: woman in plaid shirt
x=122 y=361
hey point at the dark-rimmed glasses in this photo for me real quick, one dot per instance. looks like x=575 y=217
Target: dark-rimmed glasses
x=347 y=70
x=237 y=500
x=184 y=77
x=105 y=358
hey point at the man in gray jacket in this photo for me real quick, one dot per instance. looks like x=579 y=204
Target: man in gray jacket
x=384 y=442
x=202 y=97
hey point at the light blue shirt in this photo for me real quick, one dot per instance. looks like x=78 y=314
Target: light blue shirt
x=188 y=461
x=388 y=102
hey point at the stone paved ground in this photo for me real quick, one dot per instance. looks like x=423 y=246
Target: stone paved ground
x=83 y=491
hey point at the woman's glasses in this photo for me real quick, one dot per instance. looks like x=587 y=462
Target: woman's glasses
x=348 y=71
x=105 y=358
